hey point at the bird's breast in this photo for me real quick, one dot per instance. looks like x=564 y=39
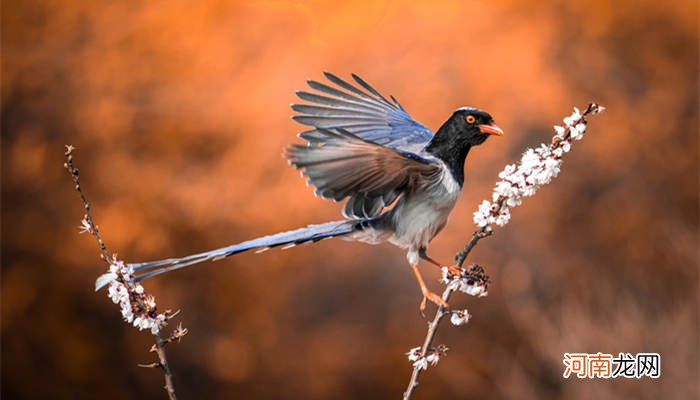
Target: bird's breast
x=423 y=213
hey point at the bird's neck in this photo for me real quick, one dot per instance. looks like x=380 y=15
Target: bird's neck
x=452 y=149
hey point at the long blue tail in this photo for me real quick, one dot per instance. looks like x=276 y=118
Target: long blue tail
x=311 y=233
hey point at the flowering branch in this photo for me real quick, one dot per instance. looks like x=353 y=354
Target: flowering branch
x=537 y=167
x=138 y=308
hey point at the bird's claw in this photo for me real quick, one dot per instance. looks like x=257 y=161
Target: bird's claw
x=434 y=298
x=454 y=270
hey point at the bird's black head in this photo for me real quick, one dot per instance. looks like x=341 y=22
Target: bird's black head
x=466 y=127
x=469 y=126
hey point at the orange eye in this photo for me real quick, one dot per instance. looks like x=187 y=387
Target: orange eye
x=470 y=119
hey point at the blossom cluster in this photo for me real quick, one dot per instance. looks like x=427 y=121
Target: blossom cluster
x=460 y=317
x=537 y=167
x=431 y=357
x=472 y=281
x=138 y=308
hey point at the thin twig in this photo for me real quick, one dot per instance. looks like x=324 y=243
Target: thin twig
x=159 y=347
x=160 y=350
x=75 y=175
x=476 y=236
x=432 y=329
x=442 y=311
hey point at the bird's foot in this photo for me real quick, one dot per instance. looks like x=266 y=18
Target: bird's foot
x=454 y=270
x=434 y=298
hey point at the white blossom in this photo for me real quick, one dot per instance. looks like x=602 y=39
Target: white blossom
x=150 y=302
x=514 y=201
x=577 y=131
x=482 y=215
x=414 y=354
x=446 y=278
x=416 y=357
x=474 y=290
x=466 y=282
x=127 y=312
x=433 y=358
x=460 y=317
x=537 y=167
x=560 y=130
x=503 y=216
x=507 y=171
x=575 y=117
x=85 y=225
x=566 y=146
x=131 y=297
x=421 y=363
x=528 y=161
x=178 y=333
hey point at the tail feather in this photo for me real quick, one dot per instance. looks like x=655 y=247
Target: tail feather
x=311 y=233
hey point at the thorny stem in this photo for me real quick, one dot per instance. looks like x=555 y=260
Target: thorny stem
x=442 y=311
x=159 y=347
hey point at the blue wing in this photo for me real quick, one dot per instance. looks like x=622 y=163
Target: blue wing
x=365 y=113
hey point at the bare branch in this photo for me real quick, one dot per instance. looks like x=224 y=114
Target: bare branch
x=476 y=236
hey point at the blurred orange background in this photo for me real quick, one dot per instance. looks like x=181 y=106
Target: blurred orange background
x=179 y=111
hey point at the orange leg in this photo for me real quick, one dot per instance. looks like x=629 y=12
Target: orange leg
x=427 y=294
x=453 y=269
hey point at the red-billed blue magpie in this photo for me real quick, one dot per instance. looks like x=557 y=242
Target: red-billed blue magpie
x=399 y=179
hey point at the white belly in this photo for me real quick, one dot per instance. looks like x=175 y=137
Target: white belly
x=423 y=214
x=420 y=219
x=417 y=217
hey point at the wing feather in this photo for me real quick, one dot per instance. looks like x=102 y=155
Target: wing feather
x=378 y=119
x=345 y=165
x=334 y=121
x=357 y=109
x=336 y=102
x=347 y=86
x=370 y=88
x=322 y=87
x=331 y=111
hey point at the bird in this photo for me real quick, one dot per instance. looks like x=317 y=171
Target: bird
x=399 y=179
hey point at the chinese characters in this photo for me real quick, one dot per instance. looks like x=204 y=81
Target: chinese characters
x=600 y=365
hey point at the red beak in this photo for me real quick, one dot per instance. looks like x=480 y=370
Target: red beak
x=491 y=129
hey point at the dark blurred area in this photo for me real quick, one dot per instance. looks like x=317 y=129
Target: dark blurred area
x=179 y=112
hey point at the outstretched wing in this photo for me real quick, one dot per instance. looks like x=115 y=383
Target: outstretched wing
x=365 y=113
x=340 y=164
